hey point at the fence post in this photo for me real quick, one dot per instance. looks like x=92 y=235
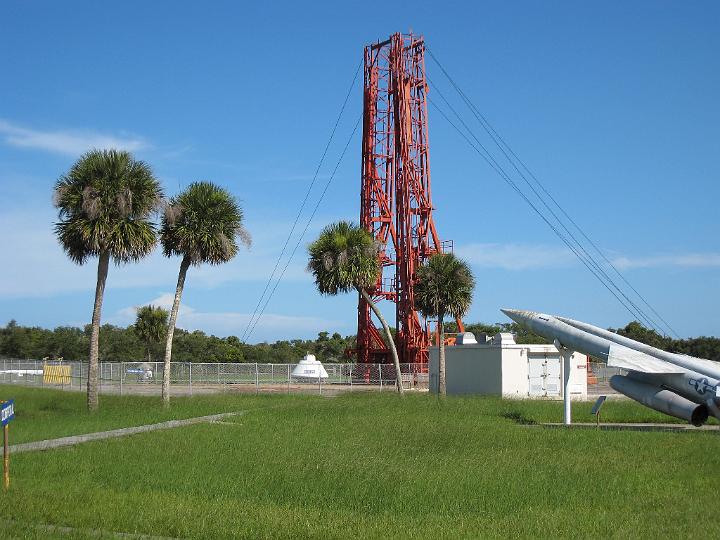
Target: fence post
x=319 y=382
x=380 y=371
x=257 y=379
x=190 y=377
x=288 y=378
x=351 y=366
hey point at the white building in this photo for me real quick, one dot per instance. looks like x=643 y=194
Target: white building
x=503 y=367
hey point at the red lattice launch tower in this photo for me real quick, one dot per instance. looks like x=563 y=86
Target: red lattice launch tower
x=395 y=203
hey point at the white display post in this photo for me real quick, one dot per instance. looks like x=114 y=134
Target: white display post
x=566 y=356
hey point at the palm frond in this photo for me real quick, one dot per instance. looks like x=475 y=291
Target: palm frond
x=342 y=258
x=444 y=285
x=203 y=223
x=151 y=323
x=104 y=203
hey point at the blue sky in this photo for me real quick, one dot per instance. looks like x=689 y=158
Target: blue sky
x=614 y=106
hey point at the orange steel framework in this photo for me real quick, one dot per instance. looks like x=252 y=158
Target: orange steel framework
x=396 y=207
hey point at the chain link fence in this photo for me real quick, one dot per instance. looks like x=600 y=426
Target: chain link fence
x=190 y=378
x=198 y=378
x=598 y=378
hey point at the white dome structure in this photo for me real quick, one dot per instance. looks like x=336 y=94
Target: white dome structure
x=310 y=367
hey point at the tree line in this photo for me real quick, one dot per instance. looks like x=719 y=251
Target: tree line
x=702 y=347
x=125 y=344
x=119 y=344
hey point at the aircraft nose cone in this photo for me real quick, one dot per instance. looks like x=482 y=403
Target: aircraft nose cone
x=516 y=315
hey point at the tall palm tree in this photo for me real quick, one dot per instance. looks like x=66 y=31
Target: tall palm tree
x=202 y=225
x=105 y=203
x=343 y=258
x=150 y=326
x=444 y=287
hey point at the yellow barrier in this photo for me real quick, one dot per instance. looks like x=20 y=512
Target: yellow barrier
x=54 y=374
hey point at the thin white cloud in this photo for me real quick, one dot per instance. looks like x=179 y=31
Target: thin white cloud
x=271 y=326
x=514 y=256
x=72 y=142
x=39 y=268
x=529 y=256
x=687 y=260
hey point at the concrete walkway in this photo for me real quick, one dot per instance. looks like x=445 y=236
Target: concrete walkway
x=114 y=433
x=608 y=426
x=74 y=532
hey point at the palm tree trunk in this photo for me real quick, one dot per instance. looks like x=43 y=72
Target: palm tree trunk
x=391 y=341
x=184 y=265
x=92 y=382
x=442 y=381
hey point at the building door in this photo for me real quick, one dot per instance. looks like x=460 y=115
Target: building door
x=553 y=375
x=544 y=374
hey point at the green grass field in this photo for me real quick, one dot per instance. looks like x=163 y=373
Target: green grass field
x=362 y=465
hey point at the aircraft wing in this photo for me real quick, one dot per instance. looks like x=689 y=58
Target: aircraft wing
x=630 y=359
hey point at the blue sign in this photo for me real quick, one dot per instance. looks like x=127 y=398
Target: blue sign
x=7 y=411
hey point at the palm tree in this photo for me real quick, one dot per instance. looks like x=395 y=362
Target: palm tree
x=444 y=287
x=201 y=225
x=343 y=258
x=104 y=204
x=150 y=326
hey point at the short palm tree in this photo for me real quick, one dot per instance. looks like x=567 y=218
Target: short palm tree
x=343 y=258
x=105 y=203
x=202 y=225
x=444 y=287
x=150 y=326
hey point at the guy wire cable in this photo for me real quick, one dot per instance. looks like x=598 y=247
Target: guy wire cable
x=302 y=205
x=307 y=224
x=497 y=139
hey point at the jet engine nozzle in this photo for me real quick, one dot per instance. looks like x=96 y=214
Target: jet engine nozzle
x=662 y=400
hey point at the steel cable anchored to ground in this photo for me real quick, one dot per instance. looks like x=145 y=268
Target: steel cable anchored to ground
x=554 y=220
x=307 y=226
x=254 y=318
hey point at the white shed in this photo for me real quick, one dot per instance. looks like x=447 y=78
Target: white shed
x=503 y=367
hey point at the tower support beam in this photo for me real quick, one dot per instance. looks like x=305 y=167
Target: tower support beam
x=395 y=196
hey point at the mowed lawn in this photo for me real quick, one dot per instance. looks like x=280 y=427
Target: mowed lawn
x=364 y=465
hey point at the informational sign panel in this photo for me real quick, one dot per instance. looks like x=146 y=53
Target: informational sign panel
x=598 y=404
x=7 y=411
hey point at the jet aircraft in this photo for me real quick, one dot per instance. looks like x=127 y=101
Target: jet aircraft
x=675 y=384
